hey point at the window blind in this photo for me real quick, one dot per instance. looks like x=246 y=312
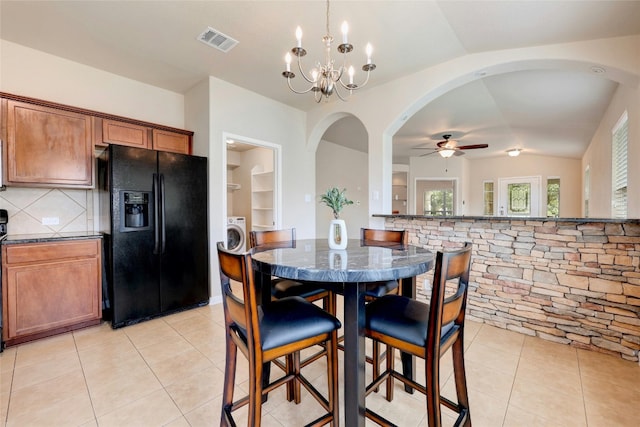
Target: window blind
x=619 y=168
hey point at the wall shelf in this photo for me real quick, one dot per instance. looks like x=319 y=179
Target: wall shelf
x=262 y=202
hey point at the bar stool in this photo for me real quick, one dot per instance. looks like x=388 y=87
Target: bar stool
x=265 y=333
x=426 y=331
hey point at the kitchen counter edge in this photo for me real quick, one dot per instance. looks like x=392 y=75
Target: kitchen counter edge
x=11 y=239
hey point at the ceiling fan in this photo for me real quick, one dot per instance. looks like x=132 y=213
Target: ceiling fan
x=448 y=148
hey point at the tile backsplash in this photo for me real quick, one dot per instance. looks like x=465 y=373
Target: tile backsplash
x=28 y=208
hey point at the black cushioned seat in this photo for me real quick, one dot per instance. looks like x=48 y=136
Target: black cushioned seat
x=402 y=318
x=378 y=289
x=293 y=319
x=283 y=288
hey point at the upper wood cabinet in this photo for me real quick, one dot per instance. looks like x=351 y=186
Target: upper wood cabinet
x=171 y=141
x=121 y=133
x=48 y=147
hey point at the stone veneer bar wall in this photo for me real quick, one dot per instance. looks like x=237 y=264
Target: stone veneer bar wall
x=572 y=281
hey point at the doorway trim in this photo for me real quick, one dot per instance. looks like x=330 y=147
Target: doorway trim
x=277 y=172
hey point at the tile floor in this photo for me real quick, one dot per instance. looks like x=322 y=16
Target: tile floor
x=169 y=372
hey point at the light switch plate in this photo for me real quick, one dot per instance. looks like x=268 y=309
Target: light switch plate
x=51 y=220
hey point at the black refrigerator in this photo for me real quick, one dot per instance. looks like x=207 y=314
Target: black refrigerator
x=156 y=242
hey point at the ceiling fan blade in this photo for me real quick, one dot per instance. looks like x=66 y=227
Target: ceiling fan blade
x=427 y=154
x=458 y=153
x=472 y=147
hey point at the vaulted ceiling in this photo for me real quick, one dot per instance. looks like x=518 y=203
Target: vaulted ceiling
x=542 y=111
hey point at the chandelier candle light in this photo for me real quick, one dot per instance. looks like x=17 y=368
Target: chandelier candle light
x=325 y=78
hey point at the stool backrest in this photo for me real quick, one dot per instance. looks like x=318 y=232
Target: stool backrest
x=259 y=239
x=373 y=237
x=446 y=315
x=242 y=313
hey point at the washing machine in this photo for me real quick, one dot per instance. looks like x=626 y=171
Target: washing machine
x=237 y=234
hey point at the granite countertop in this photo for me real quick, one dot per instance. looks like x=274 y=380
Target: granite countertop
x=511 y=218
x=49 y=237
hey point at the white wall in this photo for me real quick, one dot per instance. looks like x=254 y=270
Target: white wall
x=338 y=166
x=435 y=167
x=598 y=155
x=490 y=169
x=28 y=72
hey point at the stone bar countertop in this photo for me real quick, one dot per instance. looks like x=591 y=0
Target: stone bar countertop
x=510 y=218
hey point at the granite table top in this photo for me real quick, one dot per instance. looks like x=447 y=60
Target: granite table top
x=312 y=260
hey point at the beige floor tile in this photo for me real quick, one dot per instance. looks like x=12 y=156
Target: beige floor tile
x=8 y=359
x=155 y=409
x=150 y=332
x=517 y=417
x=118 y=350
x=73 y=411
x=549 y=403
x=121 y=390
x=100 y=335
x=501 y=339
x=206 y=415
x=171 y=348
x=195 y=390
x=56 y=365
x=606 y=368
x=42 y=350
x=549 y=375
x=494 y=384
x=491 y=357
x=184 y=364
x=67 y=394
x=6 y=379
x=114 y=371
x=4 y=407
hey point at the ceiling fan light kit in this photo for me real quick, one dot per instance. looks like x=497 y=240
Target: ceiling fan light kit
x=447 y=152
x=514 y=152
x=325 y=79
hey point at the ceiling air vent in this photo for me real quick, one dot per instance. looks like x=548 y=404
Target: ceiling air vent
x=215 y=38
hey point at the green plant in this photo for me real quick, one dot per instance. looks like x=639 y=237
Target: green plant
x=336 y=200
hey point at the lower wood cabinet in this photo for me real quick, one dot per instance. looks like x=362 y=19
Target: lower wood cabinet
x=49 y=288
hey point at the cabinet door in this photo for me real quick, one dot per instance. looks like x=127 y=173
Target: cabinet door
x=48 y=147
x=170 y=141
x=50 y=288
x=114 y=132
x=52 y=295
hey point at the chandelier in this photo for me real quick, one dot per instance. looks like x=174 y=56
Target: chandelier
x=325 y=78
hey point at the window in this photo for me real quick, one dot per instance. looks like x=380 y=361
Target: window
x=587 y=190
x=438 y=202
x=619 y=168
x=488 y=198
x=553 y=197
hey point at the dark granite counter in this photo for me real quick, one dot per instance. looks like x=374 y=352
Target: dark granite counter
x=10 y=239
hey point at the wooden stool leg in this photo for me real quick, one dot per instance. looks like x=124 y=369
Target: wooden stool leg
x=229 y=379
x=375 y=358
x=296 y=383
x=390 y=367
x=254 y=417
x=332 y=373
x=460 y=377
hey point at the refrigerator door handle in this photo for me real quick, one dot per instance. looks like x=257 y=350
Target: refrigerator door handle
x=156 y=215
x=164 y=236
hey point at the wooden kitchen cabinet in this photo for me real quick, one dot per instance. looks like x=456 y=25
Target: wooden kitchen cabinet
x=122 y=133
x=48 y=147
x=164 y=140
x=50 y=288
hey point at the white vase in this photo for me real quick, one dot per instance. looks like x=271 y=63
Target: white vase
x=337 y=234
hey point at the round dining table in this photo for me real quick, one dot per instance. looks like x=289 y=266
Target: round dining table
x=346 y=272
